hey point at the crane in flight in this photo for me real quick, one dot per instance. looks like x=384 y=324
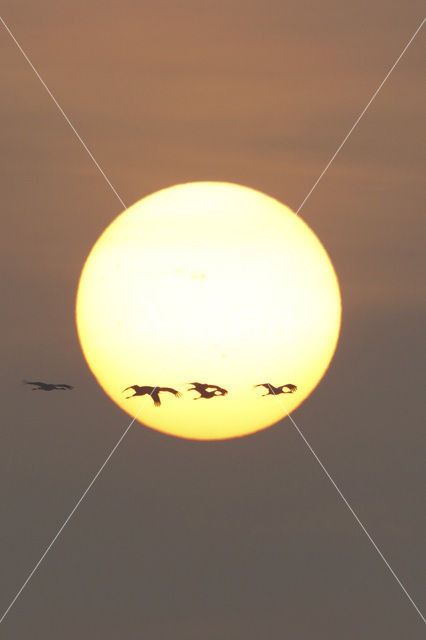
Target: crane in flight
x=46 y=386
x=275 y=391
x=154 y=392
x=207 y=390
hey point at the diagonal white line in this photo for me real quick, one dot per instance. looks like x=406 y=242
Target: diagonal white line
x=68 y=518
x=346 y=502
x=64 y=115
x=76 y=506
x=299 y=431
x=339 y=148
x=133 y=420
x=119 y=441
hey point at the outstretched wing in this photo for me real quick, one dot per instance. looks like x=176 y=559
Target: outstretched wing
x=170 y=390
x=291 y=387
x=197 y=386
x=64 y=386
x=263 y=384
x=132 y=387
x=155 y=395
x=214 y=387
x=220 y=390
x=38 y=383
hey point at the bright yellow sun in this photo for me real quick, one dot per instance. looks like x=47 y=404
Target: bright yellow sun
x=212 y=283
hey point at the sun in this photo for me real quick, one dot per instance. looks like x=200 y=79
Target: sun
x=210 y=283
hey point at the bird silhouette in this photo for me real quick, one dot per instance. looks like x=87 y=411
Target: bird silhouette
x=275 y=391
x=154 y=392
x=207 y=390
x=45 y=386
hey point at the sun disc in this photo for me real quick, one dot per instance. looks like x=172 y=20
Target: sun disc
x=213 y=283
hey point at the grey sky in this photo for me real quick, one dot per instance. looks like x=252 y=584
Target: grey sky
x=241 y=539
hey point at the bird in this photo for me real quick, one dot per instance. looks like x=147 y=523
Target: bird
x=207 y=390
x=274 y=391
x=46 y=386
x=154 y=392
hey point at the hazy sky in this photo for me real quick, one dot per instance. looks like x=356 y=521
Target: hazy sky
x=241 y=539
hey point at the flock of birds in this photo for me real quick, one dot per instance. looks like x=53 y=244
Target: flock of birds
x=206 y=391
